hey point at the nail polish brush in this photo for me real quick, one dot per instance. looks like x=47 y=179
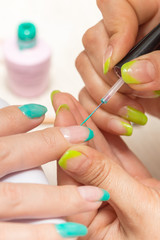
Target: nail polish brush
x=149 y=43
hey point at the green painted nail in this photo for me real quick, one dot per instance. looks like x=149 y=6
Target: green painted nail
x=128 y=128
x=106 y=196
x=91 y=135
x=53 y=93
x=63 y=106
x=69 y=154
x=70 y=229
x=133 y=115
x=157 y=92
x=33 y=110
x=106 y=66
x=125 y=73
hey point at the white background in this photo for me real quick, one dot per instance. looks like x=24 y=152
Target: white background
x=62 y=24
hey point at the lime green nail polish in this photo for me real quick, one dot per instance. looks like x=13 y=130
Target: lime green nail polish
x=106 y=66
x=91 y=134
x=33 y=110
x=69 y=154
x=133 y=115
x=71 y=230
x=53 y=93
x=125 y=73
x=106 y=196
x=128 y=128
x=63 y=106
x=157 y=92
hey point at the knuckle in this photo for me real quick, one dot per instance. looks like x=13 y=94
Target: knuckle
x=79 y=61
x=90 y=38
x=48 y=139
x=12 y=193
x=4 y=156
x=4 y=150
x=100 y=174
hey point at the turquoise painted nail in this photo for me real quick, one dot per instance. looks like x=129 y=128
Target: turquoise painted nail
x=33 y=110
x=91 y=134
x=106 y=195
x=70 y=229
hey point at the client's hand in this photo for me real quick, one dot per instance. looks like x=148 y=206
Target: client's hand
x=111 y=165
x=19 y=151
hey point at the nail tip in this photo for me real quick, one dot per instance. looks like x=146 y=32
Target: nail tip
x=91 y=134
x=33 y=110
x=135 y=116
x=63 y=106
x=70 y=229
x=106 y=196
x=69 y=154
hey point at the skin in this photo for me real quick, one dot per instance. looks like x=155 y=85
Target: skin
x=19 y=151
x=121 y=19
x=134 y=193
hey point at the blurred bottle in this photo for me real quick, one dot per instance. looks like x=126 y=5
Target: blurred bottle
x=27 y=61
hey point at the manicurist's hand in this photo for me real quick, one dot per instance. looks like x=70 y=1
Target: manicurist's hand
x=133 y=209
x=20 y=151
x=124 y=23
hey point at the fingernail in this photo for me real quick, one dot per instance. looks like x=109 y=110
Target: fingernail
x=133 y=115
x=73 y=160
x=120 y=127
x=77 y=134
x=107 y=59
x=62 y=107
x=93 y=194
x=53 y=93
x=33 y=110
x=157 y=93
x=138 y=71
x=71 y=229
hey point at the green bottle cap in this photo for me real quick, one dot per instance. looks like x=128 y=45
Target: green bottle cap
x=26 y=31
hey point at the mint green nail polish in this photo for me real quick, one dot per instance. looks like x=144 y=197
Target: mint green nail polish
x=70 y=229
x=91 y=135
x=106 y=196
x=33 y=110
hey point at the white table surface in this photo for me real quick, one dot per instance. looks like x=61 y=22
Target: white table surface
x=62 y=24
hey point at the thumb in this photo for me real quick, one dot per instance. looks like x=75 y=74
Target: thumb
x=143 y=74
x=122 y=19
x=90 y=167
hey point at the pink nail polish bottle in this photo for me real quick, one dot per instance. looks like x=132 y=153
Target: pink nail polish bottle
x=27 y=61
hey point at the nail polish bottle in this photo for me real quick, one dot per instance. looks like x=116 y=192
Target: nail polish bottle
x=27 y=60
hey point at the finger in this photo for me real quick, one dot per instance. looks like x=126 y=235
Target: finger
x=94 y=168
x=65 y=118
x=143 y=73
x=19 y=201
x=105 y=121
x=15 y=231
x=120 y=104
x=78 y=114
x=121 y=20
x=127 y=158
x=151 y=106
x=19 y=119
x=24 y=151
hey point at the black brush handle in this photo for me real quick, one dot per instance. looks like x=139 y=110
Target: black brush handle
x=149 y=43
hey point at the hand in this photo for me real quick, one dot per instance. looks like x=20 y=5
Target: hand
x=134 y=193
x=124 y=23
x=20 y=151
